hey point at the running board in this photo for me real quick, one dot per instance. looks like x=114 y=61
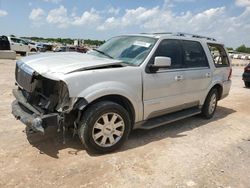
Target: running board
x=169 y=118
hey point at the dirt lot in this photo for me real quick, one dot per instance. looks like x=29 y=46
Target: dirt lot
x=188 y=153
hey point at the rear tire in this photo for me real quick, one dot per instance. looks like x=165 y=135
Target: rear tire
x=23 y=53
x=104 y=127
x=247 y=84
x=210 y=104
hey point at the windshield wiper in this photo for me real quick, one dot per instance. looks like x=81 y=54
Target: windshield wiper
x=103 y=53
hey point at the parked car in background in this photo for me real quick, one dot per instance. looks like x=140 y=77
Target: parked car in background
x=70 y=49
x=81 y=49
x=33 y=46
x=244 y=57
x=48 y=46
x=21 y=46
x=41 y=47
x=61 y=49
x=246 y=75
x=139 y=81
x=231 y=55
x=236 y=56
x=4 y=43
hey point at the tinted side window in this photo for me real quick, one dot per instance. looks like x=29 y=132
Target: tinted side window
x=13 y=39
x=219 y=55
x=172 y=49
x=194 y=55
x=23 y=42
x=16 y=40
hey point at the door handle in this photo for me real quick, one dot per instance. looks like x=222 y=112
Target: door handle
x=178 y=77
x=208 y=75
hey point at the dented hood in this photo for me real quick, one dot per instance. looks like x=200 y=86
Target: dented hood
x=65 y=62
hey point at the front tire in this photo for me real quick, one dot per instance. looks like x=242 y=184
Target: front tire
x=210 y=104
x=33 y=50
x=247 y=84
x=104 y=127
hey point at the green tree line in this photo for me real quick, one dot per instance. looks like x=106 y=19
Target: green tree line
x=241 y=49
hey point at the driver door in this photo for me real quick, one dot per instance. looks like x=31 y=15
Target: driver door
x=163 y=90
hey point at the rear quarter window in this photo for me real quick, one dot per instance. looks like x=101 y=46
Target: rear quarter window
x=219 y=55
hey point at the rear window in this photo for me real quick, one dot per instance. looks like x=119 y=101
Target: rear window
x=219 y=55
x=194 y=55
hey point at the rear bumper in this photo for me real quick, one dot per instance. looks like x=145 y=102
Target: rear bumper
x=246 y=77
x=32 y=118
x=226 y=88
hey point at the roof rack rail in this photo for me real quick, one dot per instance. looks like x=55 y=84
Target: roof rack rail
x=185 y=35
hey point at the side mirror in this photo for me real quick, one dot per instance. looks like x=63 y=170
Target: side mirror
x=160 y=63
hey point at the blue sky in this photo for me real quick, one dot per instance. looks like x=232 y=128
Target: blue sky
x=226 y=20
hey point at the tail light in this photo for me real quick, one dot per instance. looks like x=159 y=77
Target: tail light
x=247 y=68
x=230 y=74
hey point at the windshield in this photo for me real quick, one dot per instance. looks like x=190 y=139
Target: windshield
x=128 y=49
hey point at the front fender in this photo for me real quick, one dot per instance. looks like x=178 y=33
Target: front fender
x=102 y=89
x=93 y=84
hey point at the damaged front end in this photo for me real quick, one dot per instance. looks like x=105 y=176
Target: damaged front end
x=41 y=102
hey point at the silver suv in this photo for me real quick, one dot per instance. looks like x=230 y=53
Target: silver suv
x=137 y=81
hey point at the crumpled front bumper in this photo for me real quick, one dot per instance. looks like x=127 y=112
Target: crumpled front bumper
x=24 y=112
x=33 y=122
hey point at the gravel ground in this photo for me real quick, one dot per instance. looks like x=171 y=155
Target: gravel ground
x=188 y=153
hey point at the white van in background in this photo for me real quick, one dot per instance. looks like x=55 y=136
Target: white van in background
x=21 y=46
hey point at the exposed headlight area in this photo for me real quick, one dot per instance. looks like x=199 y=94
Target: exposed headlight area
x=40 y=102
x=45 y=94
x=48 y=94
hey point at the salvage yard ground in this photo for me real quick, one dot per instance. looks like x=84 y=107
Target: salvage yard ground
x=189 y=153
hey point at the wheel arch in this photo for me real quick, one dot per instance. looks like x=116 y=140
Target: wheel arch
x=219 y=89
x=119 y=99
x=217 y=86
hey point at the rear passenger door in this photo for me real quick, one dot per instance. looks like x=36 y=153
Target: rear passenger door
x=198 y=73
